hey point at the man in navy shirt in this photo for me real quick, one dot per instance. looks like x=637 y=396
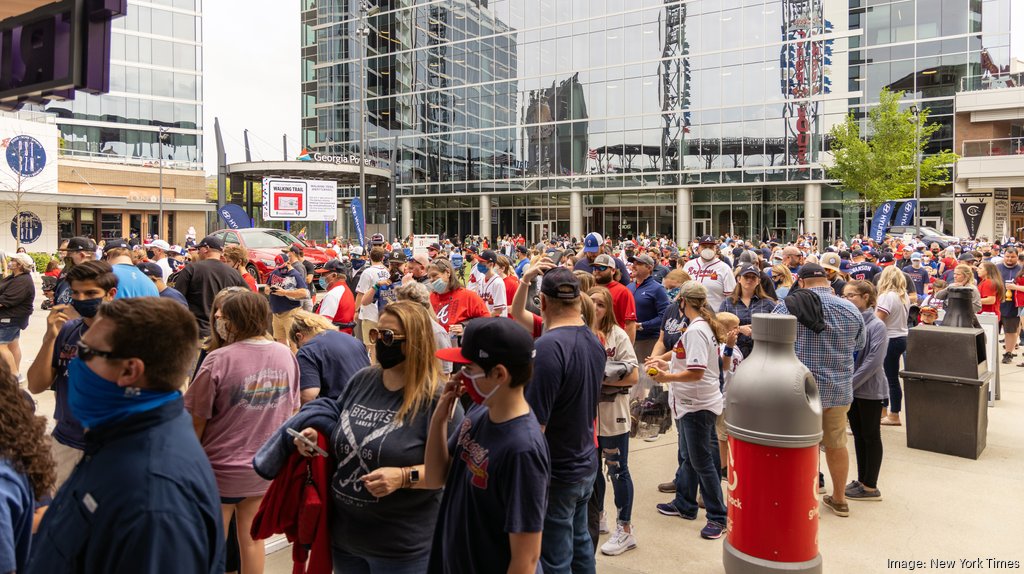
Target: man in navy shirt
x=144 y=498
x=327 y=357
x=592 y=247
x=863 y=269
x=287 y=288
x=495 y=469
x=155 y=274
x=651 y=301
x=1009 y=268
x=917 y=273
x=90 y=284
x=563 y=394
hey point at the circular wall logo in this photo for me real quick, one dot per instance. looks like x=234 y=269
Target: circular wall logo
x=26 y=155
x=26 y=227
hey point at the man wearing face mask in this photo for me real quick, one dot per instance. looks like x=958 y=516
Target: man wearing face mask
x=491 y=286
x=711 y=272
x=91 y=283
x=157 y=253
x=490 y=526
x=338 y=305
x=145 y=498
x=917 y=273
x=78 y=251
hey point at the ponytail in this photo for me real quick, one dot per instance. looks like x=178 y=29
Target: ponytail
x=705 y=312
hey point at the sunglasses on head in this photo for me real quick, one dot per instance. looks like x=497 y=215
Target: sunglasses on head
x=86 y=353
x=386 y=336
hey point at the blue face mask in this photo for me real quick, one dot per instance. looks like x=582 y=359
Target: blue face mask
x=439 y=286
x=87 y=307
x=95 y=401
x=481 y=267
x=323 y=283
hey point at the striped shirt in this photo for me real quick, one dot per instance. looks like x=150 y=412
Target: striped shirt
x=829 y=354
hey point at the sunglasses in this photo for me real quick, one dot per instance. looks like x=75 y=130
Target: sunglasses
x=601 y=268
x=87 y=353
x=386 y=336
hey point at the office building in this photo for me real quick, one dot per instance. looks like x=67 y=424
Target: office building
x=634 y=116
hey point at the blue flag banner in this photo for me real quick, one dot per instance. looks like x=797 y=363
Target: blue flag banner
x=234 y=216
x=882 y=220
x=357 y=215
x=905 y=216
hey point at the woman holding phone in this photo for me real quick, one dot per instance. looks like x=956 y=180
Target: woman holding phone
x=381 y=512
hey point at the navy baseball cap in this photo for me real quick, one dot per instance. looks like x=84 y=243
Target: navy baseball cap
x=560 y=283
x=592 y=242
x=115 y=244
x=491 y=342
x=332 y=266
x=150 y=269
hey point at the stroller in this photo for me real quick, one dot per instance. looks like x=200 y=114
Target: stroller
x=49 y=285
x=650 y=416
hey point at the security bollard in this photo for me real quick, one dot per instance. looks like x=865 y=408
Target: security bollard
x=773 y=418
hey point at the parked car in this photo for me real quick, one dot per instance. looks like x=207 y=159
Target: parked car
x=263 y=244
x=927 y=234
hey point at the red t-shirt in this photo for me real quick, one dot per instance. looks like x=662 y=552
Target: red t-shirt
x=987 y=289
x=249 y=280
x=622 y=303
x=1018 y=296
x=511 y=284
x=457 y=306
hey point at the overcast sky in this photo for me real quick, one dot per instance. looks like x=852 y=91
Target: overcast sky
x=251 y=75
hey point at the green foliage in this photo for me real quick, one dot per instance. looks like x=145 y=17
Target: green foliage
x=881 y=167
x=41 y=260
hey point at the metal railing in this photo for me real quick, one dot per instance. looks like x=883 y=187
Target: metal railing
x=993 y=147
x=100 y=157
x=990 y=82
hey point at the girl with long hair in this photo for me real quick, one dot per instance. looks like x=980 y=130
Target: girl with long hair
x=696 y=401
x=25 y=468
x=893 y=309
x=613 y=418
x=453 y=303
x=990 y=287
x=783 y=279
x=869 y=391
x=963 y=276
x=380 y=509
x=244 y=390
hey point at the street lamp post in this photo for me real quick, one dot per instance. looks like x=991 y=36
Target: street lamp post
x=917 y=164
x=363 y=31
x=161 y=134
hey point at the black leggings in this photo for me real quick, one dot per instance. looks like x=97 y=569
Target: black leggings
x=864 y=415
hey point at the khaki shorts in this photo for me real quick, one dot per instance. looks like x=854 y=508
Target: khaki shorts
x=282 y=323
x=366 y=326
x=720 y=427
x=65 y=459
x=833 y=425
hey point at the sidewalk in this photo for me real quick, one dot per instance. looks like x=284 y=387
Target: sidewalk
x=935 y=506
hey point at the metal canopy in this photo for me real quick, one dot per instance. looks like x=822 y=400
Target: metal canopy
x=347 y=175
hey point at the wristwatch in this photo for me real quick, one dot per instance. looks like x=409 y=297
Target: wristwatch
x=414 y=476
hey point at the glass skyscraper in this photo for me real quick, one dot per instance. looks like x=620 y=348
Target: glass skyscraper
x=156 y=81
x=631 y=116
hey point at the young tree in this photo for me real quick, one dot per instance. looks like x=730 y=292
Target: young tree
x=881 y=166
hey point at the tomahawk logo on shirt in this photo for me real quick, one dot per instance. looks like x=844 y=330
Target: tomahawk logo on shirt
x=474 y=455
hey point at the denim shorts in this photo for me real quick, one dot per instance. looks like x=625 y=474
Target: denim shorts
x=9 y=333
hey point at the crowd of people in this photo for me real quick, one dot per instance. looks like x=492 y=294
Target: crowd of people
x=458 y=410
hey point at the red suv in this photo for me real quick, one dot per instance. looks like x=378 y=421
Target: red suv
x=263 y=244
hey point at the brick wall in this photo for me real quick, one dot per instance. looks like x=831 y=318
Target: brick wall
x=966 y=130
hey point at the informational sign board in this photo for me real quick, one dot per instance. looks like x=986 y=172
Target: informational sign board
x=299 y=200
x=420 y=243
x=27 y=227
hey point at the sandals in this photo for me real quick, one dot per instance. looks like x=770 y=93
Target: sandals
x=891 y=422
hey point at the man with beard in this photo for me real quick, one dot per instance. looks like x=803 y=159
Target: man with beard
x=622 y=299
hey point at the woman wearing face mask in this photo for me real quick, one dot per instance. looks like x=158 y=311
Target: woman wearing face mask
x=453 y=303
x=783 y=279
x=17 y=292
x=614 y=418
x=381 y=511
x=241 y=394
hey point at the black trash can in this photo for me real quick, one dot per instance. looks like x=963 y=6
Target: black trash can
x=945 y=381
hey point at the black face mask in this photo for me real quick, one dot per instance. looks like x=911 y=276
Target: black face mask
x=389 y=357
x=396 y=276
x=149 y=254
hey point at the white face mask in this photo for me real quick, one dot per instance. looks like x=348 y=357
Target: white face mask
x=916 y=263
x=707 y=254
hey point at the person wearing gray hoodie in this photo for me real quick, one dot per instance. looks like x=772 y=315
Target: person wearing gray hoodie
x=870 y=388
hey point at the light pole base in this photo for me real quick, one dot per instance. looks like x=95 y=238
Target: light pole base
x=737 y=562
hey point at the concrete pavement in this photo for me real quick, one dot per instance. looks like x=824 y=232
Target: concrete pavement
x=934 y=506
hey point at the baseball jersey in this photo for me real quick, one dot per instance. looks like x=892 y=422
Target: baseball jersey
x=715 y=276
x=493 y=293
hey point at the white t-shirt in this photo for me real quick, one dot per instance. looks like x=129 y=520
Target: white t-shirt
x=165 y=267
x=696 y=349
x=476 y=281
x=737 y=358
x=493 y=294
x=613 y=416
x=374 y=274
x=896 y=322
x=329 y=304
x=715 y=276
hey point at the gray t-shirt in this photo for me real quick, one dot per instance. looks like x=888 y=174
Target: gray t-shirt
x=368 y=437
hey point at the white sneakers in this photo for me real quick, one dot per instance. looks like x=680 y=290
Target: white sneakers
x=619 y=542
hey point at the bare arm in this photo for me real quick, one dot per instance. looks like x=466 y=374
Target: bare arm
x=199 y=424
x=631 y=331
x=436 y=458
x=659 y=347
x=306 y=395
x=518 y=310
x=41 y=374
x=525 y=550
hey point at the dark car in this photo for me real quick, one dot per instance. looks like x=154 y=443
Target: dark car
x=263 y=244
x=927 y=234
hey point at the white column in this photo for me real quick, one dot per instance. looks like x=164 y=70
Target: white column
x=684 y=215
x=485 y=216
x=812 y=209
x=576 y=215
x=406 y=217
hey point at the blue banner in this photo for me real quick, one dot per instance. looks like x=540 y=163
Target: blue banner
x=881 y=221
x=905 y=216
x=234 y=216
x=357 y=215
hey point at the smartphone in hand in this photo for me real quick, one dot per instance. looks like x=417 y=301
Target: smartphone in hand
x=305 y=440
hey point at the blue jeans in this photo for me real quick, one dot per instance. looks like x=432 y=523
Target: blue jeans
x=565 y=544
x=615 y=450
x=891 y=365
x=699 y=467
x=345 y=563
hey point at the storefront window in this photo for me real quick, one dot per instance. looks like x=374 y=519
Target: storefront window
x=110 y=226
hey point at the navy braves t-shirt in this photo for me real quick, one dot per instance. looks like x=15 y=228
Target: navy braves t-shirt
x=68 y=431
x=497 y=485
x=919 y=277
x=673 y=324
x=329 y=360
x=567 y=376
x=865 y=270
x=287 y=278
